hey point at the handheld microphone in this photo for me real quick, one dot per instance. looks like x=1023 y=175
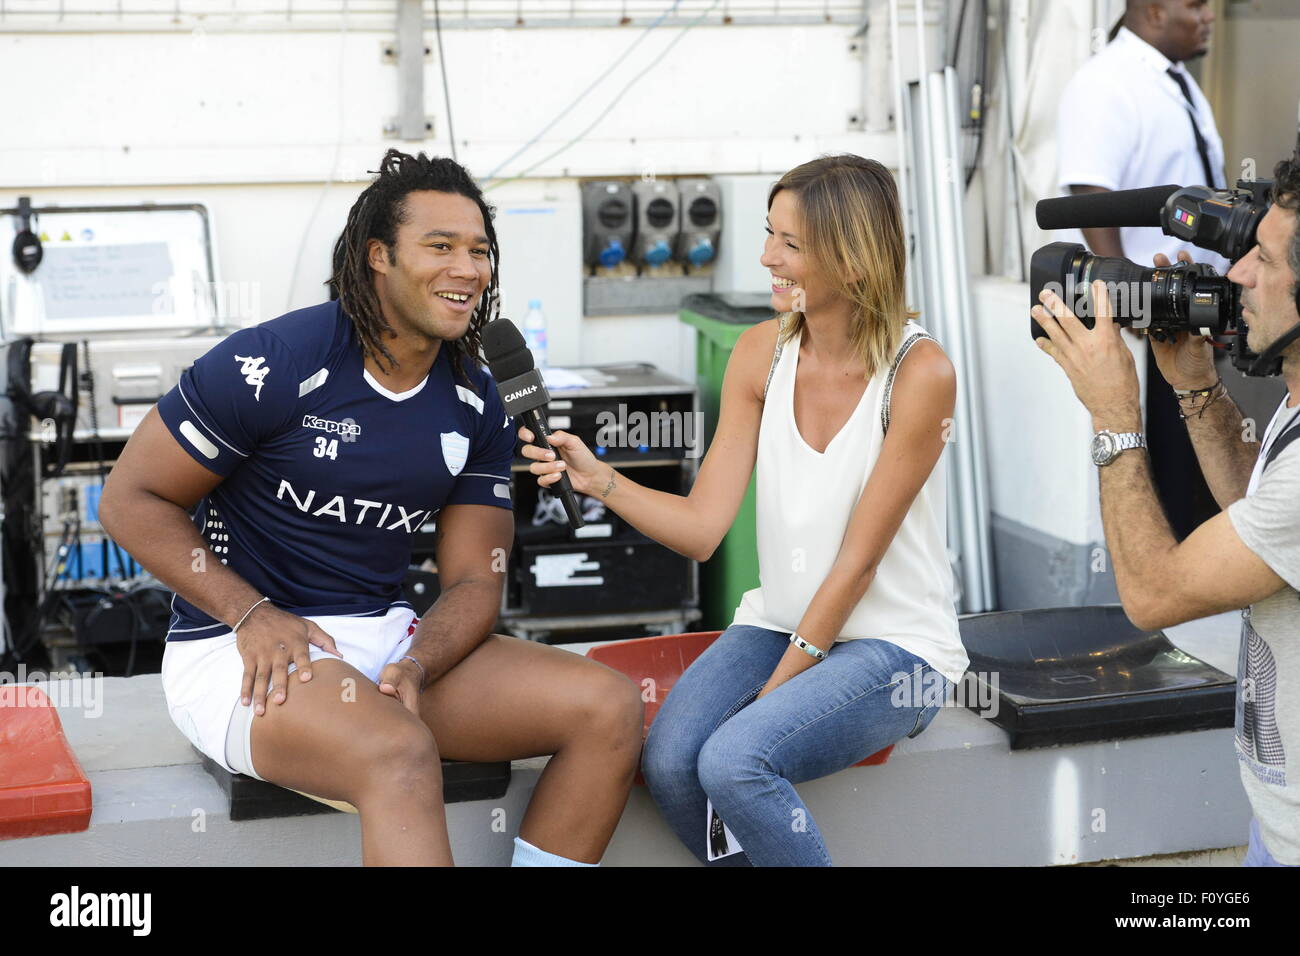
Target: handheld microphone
x=1119 y=208
x=524 y=394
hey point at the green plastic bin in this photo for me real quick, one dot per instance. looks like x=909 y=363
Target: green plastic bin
x=718 y=320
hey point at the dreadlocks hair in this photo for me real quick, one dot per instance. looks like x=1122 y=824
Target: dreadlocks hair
x=378 y=212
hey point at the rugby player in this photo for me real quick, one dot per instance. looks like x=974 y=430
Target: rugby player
x=276 y=488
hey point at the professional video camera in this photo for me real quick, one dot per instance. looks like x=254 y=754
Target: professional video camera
x=1182 y=297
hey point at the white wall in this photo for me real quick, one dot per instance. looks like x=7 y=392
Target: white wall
x=1035 y=429
x=206 y=107
x=254 y=122
x=744 y=204
x=1258 y=116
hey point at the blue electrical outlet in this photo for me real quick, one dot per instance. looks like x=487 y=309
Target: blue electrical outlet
x=612 y=254
x=659 y=253
x=701 y=253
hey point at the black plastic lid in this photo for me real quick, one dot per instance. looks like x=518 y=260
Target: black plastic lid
x=739 y=308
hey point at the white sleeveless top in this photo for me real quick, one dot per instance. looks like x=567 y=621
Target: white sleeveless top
x=804 y=502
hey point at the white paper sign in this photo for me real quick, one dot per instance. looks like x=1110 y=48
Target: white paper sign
x=718 y=840
x=559 y=570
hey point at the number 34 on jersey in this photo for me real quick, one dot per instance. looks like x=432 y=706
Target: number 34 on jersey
x=326 y=448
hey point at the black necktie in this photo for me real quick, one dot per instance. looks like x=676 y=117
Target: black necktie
x=1211 y=179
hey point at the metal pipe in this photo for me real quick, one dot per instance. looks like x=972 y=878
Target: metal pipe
x=877 y=53
x=976 y=516
x=907 y=199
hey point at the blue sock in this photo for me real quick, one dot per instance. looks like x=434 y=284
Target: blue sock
x=528 y=855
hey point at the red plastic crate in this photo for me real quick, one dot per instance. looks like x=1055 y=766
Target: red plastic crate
x=663 y=660
x=42 y=787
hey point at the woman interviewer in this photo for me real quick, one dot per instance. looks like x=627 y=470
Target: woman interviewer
x=847 y=645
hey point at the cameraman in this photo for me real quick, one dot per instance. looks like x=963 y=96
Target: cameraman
x=1248 y=554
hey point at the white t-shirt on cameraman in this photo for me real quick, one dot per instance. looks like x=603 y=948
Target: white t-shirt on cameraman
x=1268 y=667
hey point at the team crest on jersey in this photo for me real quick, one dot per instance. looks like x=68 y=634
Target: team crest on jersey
x=254 y=372
x=455 y=449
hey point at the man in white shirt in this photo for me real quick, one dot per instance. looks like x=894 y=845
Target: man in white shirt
x=1125 y=122
x=1131 y=117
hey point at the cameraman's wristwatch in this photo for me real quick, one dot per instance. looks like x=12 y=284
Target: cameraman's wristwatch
x=1106 y=445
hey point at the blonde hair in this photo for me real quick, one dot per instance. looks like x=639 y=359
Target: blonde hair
x=852 y=231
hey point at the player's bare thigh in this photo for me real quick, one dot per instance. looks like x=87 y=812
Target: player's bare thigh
x=511 y=699
x=335 y=731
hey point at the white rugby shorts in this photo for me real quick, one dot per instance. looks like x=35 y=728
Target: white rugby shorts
x=201 y=679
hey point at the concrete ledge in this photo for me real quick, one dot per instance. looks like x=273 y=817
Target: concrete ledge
x=956 y=795
x=155 y=805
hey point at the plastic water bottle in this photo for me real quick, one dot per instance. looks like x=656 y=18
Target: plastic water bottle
x=535 y=332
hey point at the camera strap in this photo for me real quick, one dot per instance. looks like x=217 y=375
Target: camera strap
x=1291 y=433
x=1269 y=362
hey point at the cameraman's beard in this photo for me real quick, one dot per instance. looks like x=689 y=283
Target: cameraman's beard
x=1291 y=353
x=1254 y=337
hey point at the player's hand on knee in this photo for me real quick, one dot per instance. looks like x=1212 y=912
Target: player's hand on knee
x=322 y=640
x=402 y=680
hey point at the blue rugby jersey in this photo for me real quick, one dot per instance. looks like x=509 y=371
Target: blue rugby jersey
x=327 y=474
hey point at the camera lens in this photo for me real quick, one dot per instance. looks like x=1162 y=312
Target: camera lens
x=1184 y=297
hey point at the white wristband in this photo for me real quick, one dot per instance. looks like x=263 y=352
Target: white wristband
x=814 y=652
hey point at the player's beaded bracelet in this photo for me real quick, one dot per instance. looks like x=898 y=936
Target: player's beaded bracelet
x=256 y=604
x=816 y=653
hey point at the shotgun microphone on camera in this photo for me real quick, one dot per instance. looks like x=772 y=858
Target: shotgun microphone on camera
x=1118 y=208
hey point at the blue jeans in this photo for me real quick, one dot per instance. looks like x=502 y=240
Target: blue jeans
x=712 y=740
x=1256 y=853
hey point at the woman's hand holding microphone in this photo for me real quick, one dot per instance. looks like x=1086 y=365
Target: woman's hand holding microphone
x=587 y=473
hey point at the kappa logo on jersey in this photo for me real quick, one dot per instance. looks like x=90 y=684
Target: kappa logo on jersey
x=254 y=372
x=347 y=428
x=455 y=449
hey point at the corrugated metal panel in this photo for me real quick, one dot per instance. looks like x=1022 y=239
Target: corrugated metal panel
x=381 y=14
